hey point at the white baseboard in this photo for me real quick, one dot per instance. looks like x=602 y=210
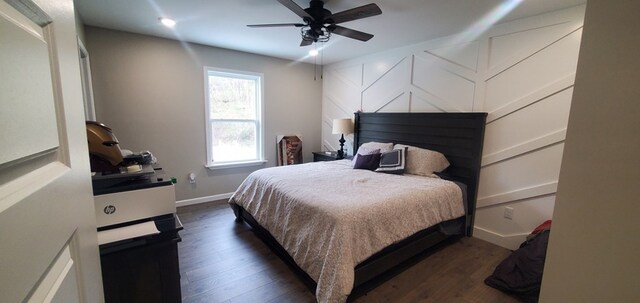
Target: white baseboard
x=203 y=199
x=507 y=241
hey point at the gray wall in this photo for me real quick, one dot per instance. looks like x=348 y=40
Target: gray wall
x=593 y=250
x=151 y=92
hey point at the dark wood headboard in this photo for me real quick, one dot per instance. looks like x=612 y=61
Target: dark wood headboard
x=459 y=136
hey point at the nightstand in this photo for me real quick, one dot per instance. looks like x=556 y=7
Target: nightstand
x=327 y=156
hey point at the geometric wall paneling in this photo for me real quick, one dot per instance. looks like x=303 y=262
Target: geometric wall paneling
x=572 y=16
x=327 y=140
x=398 y=104
x=540 y=93
x=389 y=86
x=522 y=222
x=376 y=99
x=525 y=147
x=430 y=76
x=350 y=74
x=430 y=61
x=541 y=69
x=528 y=214
x=480 y=84
x=420 y=103
x=339 y=107
x=505 y=48
x=374 y=71
x=425 y=61
x=538 y=190
x=526 y=75
x=520 y=173
x=514 y=41
x=525 y=53
x=330 y=141
x=332 y=110
x=521 y=72
x=464 y=54
x=342 y=94
x=529 y=124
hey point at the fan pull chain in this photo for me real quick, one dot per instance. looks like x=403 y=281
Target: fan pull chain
x=315 y=67
x=321 y=65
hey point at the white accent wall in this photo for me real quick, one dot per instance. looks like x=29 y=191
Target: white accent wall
x=521 y=73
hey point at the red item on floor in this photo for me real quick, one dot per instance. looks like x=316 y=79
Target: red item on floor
x=543 y=226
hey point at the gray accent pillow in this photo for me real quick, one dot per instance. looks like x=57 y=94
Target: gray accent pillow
x=423 y=162
x=393 y=162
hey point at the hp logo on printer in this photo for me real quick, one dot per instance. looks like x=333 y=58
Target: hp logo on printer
x=109 y=209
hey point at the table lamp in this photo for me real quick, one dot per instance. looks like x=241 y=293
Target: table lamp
x=342 y=126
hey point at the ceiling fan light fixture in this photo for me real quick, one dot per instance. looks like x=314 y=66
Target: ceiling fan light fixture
x=311 y=35
x=168 y=22
x=320 y=23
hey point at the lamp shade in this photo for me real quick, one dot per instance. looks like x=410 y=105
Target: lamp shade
x=342 y=126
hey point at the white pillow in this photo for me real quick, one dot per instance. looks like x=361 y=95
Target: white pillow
x=423 y=162
x=369 y=146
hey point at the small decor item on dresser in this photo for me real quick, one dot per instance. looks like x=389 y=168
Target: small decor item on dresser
x=289 y=149
x=342 y=126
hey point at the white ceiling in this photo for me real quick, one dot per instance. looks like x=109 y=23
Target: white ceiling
x=222 y=23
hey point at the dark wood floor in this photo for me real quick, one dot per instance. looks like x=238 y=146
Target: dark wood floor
x=223 y=261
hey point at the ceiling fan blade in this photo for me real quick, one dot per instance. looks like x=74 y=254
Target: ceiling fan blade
x=305 y=42
x=349 y=33
x=356 y=13
x=295 y=8
x=276 y=25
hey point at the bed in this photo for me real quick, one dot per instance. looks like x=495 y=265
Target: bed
x=341 y=227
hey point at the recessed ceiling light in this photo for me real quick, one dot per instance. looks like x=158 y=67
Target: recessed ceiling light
x=313 y=52
x=167 y=22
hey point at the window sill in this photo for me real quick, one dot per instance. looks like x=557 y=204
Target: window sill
x=235 y=164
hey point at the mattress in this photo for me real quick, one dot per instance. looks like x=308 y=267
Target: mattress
x=329 y=217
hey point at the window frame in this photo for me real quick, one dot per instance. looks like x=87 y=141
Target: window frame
x=259 y=78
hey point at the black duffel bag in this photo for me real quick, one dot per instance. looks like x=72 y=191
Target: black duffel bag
x=520 y=274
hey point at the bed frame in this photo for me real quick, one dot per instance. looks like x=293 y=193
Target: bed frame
x=459 y=136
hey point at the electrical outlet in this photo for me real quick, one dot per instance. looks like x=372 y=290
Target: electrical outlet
x=508 y=213
x=192 y=178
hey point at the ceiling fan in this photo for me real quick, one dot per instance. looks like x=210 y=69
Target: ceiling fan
x=320 y=23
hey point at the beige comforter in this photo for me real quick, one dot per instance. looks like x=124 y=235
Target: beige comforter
x=330 y=217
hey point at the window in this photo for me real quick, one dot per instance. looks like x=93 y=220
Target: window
x=233 y=118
